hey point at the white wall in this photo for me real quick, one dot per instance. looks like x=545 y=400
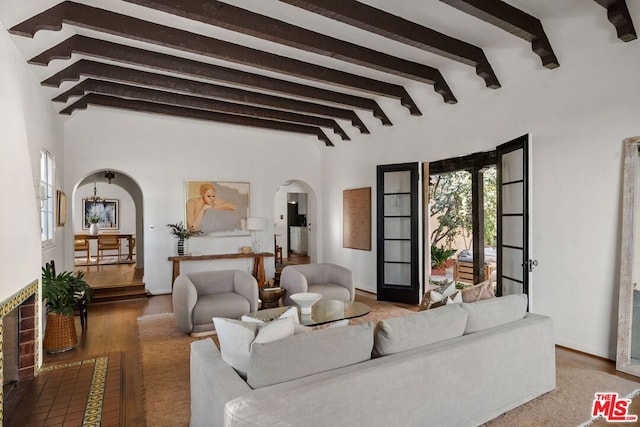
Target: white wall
x=160 y=153
x=578 y=116
x=27 y=124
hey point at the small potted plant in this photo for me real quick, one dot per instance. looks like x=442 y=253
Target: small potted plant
x=183 y=235
x=93 y=219
x=439 y=257
x=62 y=292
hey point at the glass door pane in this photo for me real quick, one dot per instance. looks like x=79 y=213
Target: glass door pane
x=397 y=196
x=513 y=206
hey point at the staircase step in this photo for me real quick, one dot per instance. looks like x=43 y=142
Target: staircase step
x=119 y=292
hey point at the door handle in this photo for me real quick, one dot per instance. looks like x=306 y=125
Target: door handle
x=531 y=264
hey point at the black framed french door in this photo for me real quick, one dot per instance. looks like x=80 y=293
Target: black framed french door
x=514 y=263
x=397 y=233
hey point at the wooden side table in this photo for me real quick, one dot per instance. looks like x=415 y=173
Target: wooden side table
x=270 y=297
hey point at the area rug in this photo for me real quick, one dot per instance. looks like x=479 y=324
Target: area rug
x=165 y=363
x=165 y=370
x=380 y=310
x=570 y=403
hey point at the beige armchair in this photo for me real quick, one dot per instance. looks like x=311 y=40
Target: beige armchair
x=198 y=297
x=332 y=281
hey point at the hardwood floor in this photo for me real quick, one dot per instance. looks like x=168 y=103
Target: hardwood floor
x=112 y=326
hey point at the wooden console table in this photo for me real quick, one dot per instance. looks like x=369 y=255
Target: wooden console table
x=258 y=263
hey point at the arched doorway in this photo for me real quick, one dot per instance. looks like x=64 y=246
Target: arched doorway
x=294 y=215
x=114 y=199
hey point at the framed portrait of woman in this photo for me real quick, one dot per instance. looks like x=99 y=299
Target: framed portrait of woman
x=217 y=208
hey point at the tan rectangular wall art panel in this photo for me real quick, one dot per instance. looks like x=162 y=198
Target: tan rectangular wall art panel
x=356 y=205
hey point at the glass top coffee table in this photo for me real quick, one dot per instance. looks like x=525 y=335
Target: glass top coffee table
x=323 y=311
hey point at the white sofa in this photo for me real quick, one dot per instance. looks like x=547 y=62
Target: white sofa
x=457 y=365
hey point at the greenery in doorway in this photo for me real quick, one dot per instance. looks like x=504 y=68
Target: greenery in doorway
x=440 y=255
x=450 y=204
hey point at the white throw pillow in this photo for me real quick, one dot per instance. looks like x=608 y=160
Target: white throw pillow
x=298 y=328
x=276 y=330
x=457 y=298
x=291 y=312
x=237 y=337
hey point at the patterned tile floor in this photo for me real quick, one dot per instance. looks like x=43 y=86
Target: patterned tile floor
x=85 y=393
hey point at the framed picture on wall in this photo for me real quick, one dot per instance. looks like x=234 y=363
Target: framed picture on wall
x=106 y=211
x=356 y=227
x=61 y=208
x=217 y=208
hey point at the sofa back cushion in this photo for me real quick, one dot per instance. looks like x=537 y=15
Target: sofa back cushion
x=417 y=329
x=307 y=354
x=489 y=313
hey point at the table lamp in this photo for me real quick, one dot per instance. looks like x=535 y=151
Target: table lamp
x=253 y=225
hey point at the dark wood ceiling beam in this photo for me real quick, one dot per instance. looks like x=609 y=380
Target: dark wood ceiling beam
x=244 y=21
x=399 y=29
x=129 y=55
x=513 y=21
x=128 y=75
x=618 y=14
x=162 y=97
x=136 y=29
x=172 y=110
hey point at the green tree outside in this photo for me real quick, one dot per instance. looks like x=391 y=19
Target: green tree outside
x=450 y=196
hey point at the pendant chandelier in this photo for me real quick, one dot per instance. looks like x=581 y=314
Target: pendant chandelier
x=95 y=198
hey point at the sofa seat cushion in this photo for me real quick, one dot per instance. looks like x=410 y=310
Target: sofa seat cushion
x=225 y=304
x=306 y=354
x=489 y=313
x=237 y=338
x=417 y=329
x=331 y=291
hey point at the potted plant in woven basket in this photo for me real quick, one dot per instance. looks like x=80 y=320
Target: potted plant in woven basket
x=62 y=292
